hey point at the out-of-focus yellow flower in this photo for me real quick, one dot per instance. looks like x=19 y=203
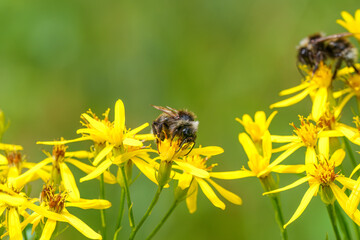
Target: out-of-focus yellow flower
x=321 y=173
x=257 y=128
x=316 y=86
x=196 y=172
x=350 y=23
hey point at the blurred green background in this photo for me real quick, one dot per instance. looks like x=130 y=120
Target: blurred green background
x=219 y=59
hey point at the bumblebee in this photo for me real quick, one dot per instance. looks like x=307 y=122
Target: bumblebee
x=318 y=48
x=175 y=123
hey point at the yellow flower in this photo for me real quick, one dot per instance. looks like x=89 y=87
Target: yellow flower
x=54 y=205
x=353 y=134
x=320 y=172
x=307 y=135
x=257 y=128
x=196 y=172
x=316 y=86
x=350 y=23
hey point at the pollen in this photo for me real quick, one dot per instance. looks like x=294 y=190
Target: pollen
x=354 y=84
x=307 y=132
x=57 y=202
x=324 y=172
x=323 y=76
x=199 y=162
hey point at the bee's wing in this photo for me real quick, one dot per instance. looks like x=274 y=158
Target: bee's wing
x=332 y=37
x=168 y=110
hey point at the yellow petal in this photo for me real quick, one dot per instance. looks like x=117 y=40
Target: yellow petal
x=267 y=145
x=98 y=171
x=80 y=226
x=99 y=126
x=292 y=100
x=79 y=154
x=102 y=154
x=210 y=194
x=136 y=130
x=108 y=177
x=283 y=139
x=187 y=167
x=231 y=197
x=330 y=133
x=248 y=145
x=347 y=182
x=42 y=211
x=304 y=202
x=191 y=199
x=185 y=180
x=284 y=155
x=269 y=120
x=119 y=122
x=13 y=201
x=347 y=16
x=260 y=118
x=294 y=89
x=284 y=147
x=294 y=184
x=310 y=156
x=145 y=168
x=69 y=181
x=48 y=229
x=338 y=157
x=289 y=168
x=14 y=227
x=63 y=141
x=323 y=147
x=10 y=147
x=340 y=107
x=24 y=178
x=319 y=104
x=341 y=92
x=354 y=198
x=232 y=174
x=128 y=155
x=206 y=151
x=146 y=137
x=132 y=142
x=3 y=160
x=89 y=204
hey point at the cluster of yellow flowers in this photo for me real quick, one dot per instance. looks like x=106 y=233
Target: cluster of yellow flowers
x=323 y=135
x=113 y=144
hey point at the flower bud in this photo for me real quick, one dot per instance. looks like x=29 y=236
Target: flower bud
x=327 y=196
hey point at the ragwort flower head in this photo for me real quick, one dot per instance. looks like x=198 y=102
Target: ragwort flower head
x=257 y=128
x=316 y=85
x=197 y=172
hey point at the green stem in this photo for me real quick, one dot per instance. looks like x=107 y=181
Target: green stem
x=268 y=185
x=128 y=198
x=121 y=213
x=356 y=228
x=332 y=215
x=342 y=222
x=173 y=206
x=102 y=211
x=147 y=214
x=350 y=152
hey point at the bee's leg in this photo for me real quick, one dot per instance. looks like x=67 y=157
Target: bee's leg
x=298 y=68
x=337 y=67
x=192 y=147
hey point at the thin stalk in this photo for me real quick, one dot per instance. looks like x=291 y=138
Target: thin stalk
x=171 y=209
x=121 y=213
x=342 y=222
x=102 y=211
x=147 y=214
x=332 y=216
x=268 y=185
x=128 y=198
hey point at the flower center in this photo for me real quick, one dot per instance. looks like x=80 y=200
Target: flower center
x=59 y=152
x=354 y=83
x=14 y=159
x=308 y=132
x=323 y=76
x=327 y=120
x=324 y=172
x=199 y=162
